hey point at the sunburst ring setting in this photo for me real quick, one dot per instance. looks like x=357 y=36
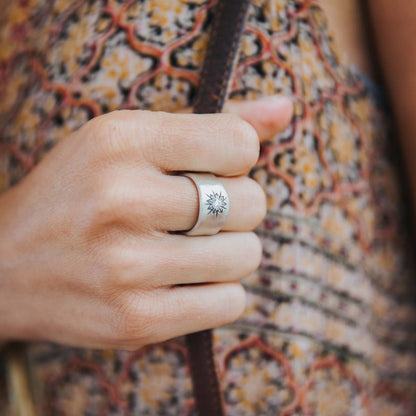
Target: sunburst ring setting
x=214 y=203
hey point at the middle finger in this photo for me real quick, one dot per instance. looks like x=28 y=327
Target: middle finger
x=178 y=205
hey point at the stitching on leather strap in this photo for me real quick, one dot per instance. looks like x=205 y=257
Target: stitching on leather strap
x=215 y=76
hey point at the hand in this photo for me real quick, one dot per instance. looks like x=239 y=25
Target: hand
x=86 y=257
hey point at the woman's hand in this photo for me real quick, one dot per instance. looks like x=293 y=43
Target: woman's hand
x=86 y=257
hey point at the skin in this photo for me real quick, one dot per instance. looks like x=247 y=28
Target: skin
x=394 y=28
x=378 y=35
x=87 y=257
x=347 y=24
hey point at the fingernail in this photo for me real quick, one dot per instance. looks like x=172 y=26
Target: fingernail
x=269 y=102
x=277 y=98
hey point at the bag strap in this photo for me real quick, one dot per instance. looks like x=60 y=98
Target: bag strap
x=220 y=58
x=221 y=55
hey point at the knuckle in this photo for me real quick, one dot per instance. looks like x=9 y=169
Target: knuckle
x=260 y=205
x=255 y=252
x=134 y=319
x=245 y=137
x=115 y=265
x=105 y=127
x=109 y=260
x=236 y=302
x=123 y=322
x=114 y=198
x=107 y=202
x=112 y=132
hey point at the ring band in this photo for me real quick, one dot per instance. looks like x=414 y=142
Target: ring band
x=214 y=204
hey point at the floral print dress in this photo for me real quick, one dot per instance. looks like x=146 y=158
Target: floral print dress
x=329 y=327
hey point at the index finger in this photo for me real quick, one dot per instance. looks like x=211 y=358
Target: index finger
x=222 y=143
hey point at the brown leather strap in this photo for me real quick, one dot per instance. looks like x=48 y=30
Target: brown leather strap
x=220 y=57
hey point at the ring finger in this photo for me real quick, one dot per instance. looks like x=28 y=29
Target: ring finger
x=222 y=257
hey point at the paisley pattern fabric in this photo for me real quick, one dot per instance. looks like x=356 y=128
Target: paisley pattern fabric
x=329 y=328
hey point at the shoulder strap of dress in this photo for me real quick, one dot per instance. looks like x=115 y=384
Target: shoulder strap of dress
x=220 y=58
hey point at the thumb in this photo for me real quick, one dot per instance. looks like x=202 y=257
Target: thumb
x=268 y=115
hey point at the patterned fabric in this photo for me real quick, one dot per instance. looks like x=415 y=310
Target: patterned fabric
x=329 y=328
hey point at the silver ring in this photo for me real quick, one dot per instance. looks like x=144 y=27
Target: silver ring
x=214 y=204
